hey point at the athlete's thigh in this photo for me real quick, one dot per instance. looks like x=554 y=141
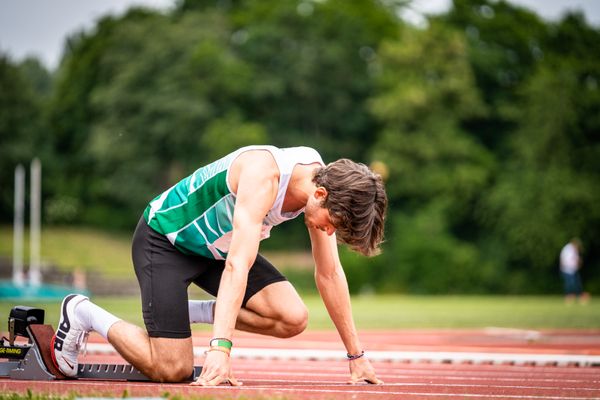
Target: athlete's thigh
x=164 y=274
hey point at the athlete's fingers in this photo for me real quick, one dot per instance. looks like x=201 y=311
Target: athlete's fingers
x=210 y=382
x=234 y=382
x=215 y=370
x=202 y=380
x=354 y=379
x=216 y=381
x=369 y=378
x=374 y=380
x=198 y=382
x=206 y=375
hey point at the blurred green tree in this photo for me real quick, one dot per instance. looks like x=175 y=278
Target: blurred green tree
x=152 y=87
x=312 y=69
x=218 y=140
x=437 y=170
x=547 y=191
x=147 y=97
x=505 y=43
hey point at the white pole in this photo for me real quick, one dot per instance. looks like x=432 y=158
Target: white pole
x=35 y=277
x=18 y=226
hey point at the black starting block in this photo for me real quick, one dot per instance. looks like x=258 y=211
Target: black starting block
x=32 y=361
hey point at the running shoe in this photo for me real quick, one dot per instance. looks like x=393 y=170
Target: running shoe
x=69 y=337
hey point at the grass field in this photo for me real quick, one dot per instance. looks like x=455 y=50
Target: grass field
x=75 y=247
x=106 y=252
x=401 y=312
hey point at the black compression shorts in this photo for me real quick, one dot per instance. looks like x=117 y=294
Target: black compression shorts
x=164 y=274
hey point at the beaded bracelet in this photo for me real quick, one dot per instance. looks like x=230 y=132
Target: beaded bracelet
x=355 y=356
x=221 y=349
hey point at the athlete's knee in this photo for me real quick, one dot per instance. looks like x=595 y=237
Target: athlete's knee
x=171 y=359
x=294 y=321
x=174 y=372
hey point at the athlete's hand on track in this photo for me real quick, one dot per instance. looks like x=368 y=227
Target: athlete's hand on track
x=216 y=370
x=362 y=370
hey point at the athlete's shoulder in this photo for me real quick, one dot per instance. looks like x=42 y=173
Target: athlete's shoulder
x=303 y=154
x=256 y=158
x=254 y=165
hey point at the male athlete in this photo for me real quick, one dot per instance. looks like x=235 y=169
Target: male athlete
x=206 y=230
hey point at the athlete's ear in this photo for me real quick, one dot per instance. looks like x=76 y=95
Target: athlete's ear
x=321 y=193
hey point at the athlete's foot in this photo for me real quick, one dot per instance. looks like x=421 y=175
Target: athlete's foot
x=69 y=337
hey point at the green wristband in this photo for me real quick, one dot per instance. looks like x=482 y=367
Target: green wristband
x=221 y=342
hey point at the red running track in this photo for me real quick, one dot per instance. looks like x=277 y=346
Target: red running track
x=304 y=379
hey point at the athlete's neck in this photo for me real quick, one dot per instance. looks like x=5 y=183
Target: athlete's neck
x=300 y=188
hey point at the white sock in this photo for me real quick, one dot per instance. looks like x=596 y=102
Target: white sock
x=201 y=311
x=94 y=318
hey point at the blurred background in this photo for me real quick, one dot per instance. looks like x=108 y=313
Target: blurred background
x=483 y=116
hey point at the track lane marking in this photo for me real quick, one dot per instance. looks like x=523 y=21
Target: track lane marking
x=411 y=356
x=336 y=383
x=403 y=376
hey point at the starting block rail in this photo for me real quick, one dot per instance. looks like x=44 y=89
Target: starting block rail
x=123 y=372
x=32 y=361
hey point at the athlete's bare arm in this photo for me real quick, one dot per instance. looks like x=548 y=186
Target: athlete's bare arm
x=333 y=287
x=254 y=177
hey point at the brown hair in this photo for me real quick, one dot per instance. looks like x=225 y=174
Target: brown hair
x=357 y=203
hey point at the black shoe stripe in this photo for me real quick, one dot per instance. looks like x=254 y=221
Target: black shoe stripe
x=65 y=324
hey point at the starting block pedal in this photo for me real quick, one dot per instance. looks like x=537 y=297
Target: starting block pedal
x=33 y=361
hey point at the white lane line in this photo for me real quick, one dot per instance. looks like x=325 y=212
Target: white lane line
x=554 y=377
x=299 y=383
x=400 y=356
x=342 y=374
x=387 y=374
x=431 y=367
x=342 y=365
x=523 y=334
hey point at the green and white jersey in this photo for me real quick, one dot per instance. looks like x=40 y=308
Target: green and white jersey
x=196 y=214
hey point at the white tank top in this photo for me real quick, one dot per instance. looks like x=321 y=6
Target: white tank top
x=286 y=159
x=196 y=214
